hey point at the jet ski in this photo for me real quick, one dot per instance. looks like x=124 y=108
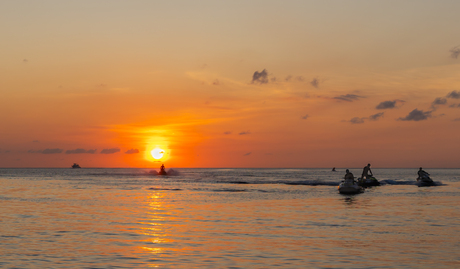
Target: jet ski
x=350 y=186
x=425 y=180
x=368 y=182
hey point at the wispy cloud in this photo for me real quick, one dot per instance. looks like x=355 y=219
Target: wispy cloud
x=244 y=133
x=260 y=77
x=417 y=115
x=80 y=151
x=361 y=120
x=47 y=151
x=132 y=151
x=305 y=117
x=110 y=151
x=454 y=52
x=454 y=95
x=247 y=154
x=227 y=132
x=357 y=120
x=348 y=97
x=386 y=105
x=52 y=151
x=438 y=101
x=296 y=78
x=315 y=83
x=376 y=116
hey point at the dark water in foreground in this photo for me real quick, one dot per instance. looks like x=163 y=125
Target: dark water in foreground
x=226 y=218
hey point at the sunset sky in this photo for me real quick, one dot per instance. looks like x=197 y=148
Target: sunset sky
x=230 y=83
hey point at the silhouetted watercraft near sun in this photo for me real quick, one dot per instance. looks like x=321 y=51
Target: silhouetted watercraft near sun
x=162 y=171
x=75 y=165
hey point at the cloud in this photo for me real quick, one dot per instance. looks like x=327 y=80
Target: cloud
x=300 y=78
x=79 y=151
x=247 y=154
x=455 y=105
x=315 y=82
x=25 y=61
x=376 y=116
x=260 y=77
x=296 y=78
x=457 y=119
x=438 y=101
x=348 y=97
x=454 y=95
x=244 y=133
x=110 y=151
x=227 y=133
x=47 y=151
x=36 y=141
x=305 y=117
x=132 y=151
x=357 y=120
x=52 y=151
x=386 y=105
x=454 y=52
x=417 y=115
x=216 y=82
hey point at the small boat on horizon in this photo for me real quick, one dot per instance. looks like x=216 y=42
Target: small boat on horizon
x=75 y=165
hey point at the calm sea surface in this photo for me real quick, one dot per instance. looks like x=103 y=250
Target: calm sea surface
x=226 y=218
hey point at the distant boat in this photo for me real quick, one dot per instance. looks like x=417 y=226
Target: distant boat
x=75 y=165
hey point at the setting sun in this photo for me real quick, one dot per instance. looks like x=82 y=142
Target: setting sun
x=157 y=153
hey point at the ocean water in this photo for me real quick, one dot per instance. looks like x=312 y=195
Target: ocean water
x=226 y=218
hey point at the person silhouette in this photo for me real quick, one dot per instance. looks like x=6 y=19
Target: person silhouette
x=367 y=172
x=422 y=173
x=349 y=175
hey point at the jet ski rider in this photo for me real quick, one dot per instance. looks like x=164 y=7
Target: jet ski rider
x=367 y=172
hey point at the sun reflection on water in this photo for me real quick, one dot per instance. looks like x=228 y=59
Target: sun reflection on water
x=154 y=227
